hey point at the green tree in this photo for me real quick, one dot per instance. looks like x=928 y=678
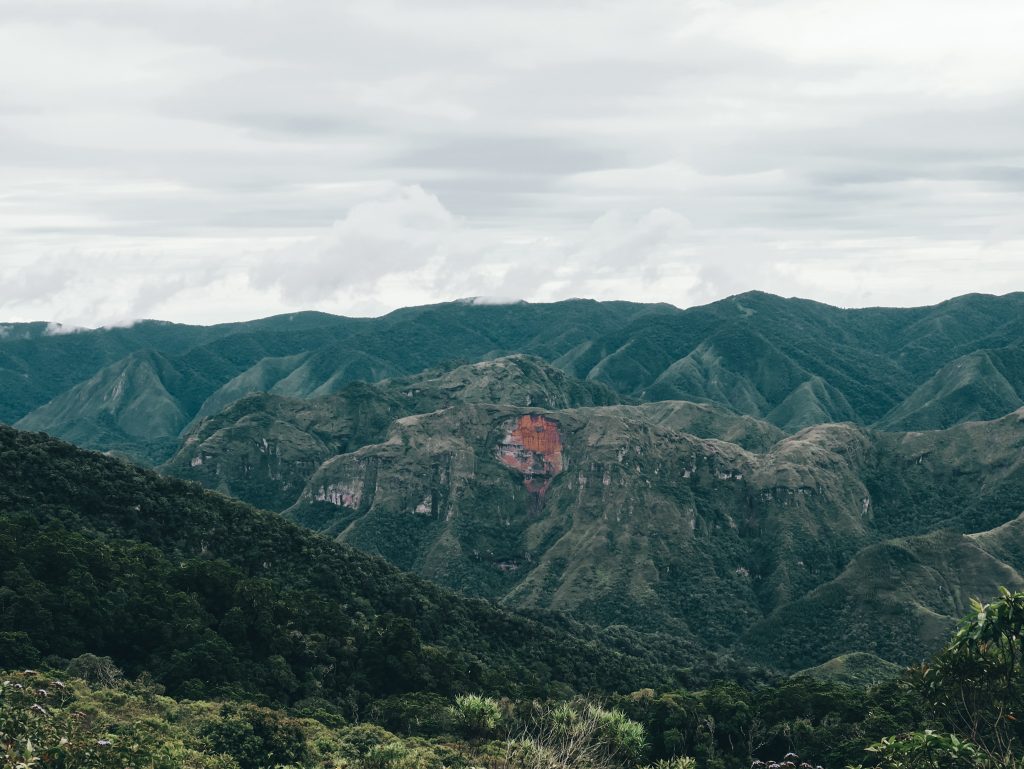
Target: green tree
x=975 y=686
x=930 y=750
x=974 y=689
x=475 y=716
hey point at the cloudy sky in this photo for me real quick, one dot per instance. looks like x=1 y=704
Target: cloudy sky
x=210 y=160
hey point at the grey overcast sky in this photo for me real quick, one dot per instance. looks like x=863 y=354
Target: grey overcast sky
x=211 y=160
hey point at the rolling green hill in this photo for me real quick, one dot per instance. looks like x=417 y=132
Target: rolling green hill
x=985 y=384
x=39 y=361
x=136 y=406
x=855 y=669
x=898 y=600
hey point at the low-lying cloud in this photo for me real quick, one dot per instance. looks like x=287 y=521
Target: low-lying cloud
x=400 y=233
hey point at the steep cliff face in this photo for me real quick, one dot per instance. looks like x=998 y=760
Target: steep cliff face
x=600 y=512
x=533 y=446
x=263 y=448
x=617 y=519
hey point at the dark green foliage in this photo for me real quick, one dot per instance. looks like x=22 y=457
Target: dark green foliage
x=727 y=725
x=972 y=693
x=256 y=737
x=959 y=712
x=211 y=596
x=45 y=723
x=975 y=686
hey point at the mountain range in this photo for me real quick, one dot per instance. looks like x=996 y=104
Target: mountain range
x=773 y=479
x=790 y=362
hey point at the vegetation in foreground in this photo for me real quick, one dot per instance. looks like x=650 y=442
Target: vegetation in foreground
x=47 y=721
x=959 y=711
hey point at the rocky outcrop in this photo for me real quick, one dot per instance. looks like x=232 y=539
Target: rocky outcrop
x=607 y=514
x=532 y=446
x=228 y=452
x=599 y=512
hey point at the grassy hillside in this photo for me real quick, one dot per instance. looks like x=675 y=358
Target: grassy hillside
x=855 y=668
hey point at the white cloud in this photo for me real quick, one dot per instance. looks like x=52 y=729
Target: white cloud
x=483 y=301
x=186 y=159
x=59 y=329
x=405 y=230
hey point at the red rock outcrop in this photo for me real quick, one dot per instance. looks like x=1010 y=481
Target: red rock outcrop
x=533 y=446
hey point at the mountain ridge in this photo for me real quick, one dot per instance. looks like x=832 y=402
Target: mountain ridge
x=713 y=472
x=794 y=362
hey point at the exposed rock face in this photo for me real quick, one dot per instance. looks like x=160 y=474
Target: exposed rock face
x=533 y=447
x=601 y=512
x=228 y=450
x=342 y=494
x=613 y=516
x=263 y=448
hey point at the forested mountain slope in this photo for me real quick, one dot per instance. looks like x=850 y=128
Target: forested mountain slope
x=791 y=362
x=214 y=597
x=667 y=515
x=39 y=361
x=616 y=518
